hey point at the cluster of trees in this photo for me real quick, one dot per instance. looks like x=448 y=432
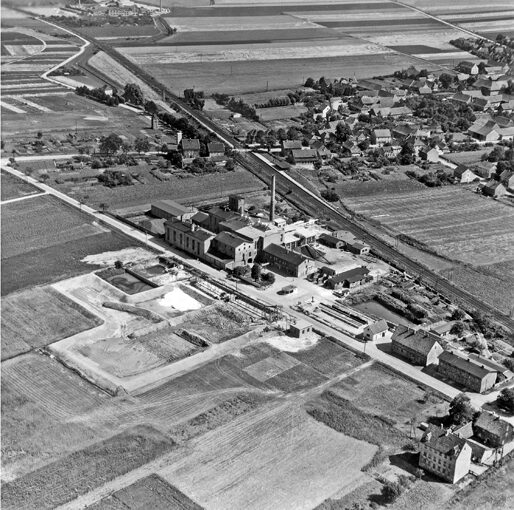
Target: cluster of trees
x=113 y=178
x=331 y=88
x=101 y=20
x=133 y=94
x=506 y=399
x=202 y=166
x=98 y=94
x=255 y=272
x=451 y=117
x=68 y=71
x=500 y=52
x=391 y=491
x=275 y=101
x=330 y=195
x=501 y=155
x=194 y=98
x=236 y=105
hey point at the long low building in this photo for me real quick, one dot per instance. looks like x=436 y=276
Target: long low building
x=475 y=377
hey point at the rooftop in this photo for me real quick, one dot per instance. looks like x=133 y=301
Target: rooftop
x=420 y=341
x=463 y=364
x=443 y=440
x=493 y=424
x=284 y=254
x=171 y=207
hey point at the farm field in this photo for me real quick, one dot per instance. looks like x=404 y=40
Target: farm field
x=61 y=481
x=50 y=243
x=452 y=221
x=299 y=461
x=150 y=492
x=13 y=187
x=40 y=316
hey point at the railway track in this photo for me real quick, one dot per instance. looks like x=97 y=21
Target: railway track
x=310 y=203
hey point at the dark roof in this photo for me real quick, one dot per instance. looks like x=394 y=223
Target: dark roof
x=190 y=144
x=351 y=276
x=330 y=239
x=378 y=327
x=491 y=365
x=465 y=365
x=287 y=255
x=179 y=225
x=292 y=144
x=443 y=440
x=171 y=207
x=215 y=147
x=200 y=217
x=222 y=213
x=493 y=424
x=230 y=239
x=305 y=154
x=420 y=341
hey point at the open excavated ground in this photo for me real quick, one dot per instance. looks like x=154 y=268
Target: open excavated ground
x=40 y=316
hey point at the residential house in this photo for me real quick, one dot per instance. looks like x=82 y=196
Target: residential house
x=507 y=179
x=306 y=156
x=290 y=145
x=351 y=243
x=382 y=136
x=444 y=454
x=288 y=261
x=488 y=132
x=442 y=330
x=375 y=331
x=484 y=169
x=507 y=133
x=502 y=372
x=494 y=189
x=492 y=431
x=467 y=67
x=190 y=149
x=216 y=150
x=466 y=373
x=188 y=237
x=348 y=279
x=169 y=209
x=432 y=155
x=418 y=346
x=464 y=175
x=461 y=98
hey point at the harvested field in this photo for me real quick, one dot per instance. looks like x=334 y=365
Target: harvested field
x=63 y=480
x=150 y=492
x=40 y=399
x=217 y=416
x=122 y=31
x=378 y=391
x=13 y=187
x=40 y=316
x=452 y=221
x=250 y=76
x=299 y=462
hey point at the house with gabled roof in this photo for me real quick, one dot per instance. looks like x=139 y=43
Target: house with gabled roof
x=444 y=454
x=464 y=175
x=375 y=331
x=382 y=136
x=494 y=189
x=465 y=373
x=507 y=179
x=492 y=431
x=420 y=347
x=488 y=132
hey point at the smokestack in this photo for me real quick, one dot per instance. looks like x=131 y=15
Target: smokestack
x=272 y=202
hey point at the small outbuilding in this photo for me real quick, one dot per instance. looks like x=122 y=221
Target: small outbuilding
x=300 y=328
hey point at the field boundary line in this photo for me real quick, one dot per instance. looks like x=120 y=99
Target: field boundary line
x=18 y=199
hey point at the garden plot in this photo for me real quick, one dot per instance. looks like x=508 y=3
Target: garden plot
x=40 y=316
x=14 y=187
x=377 y=390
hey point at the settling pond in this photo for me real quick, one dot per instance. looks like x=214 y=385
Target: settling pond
x=378 y=310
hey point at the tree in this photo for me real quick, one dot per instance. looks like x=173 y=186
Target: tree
x=111 y=144
x=118 y=264
x=40 y=134
x=407 y=155
x=142 y=144
x=506 y=399
x=269 y=278
x=391 y=491
x=460 y=410
x=457 y=329
x=256 y=272
x=229 y=165
x=241 y=271
x=330 y=195
x=151 y=108
x=133 y=94
x=446 y=80
x=457 y=315
x=309 y=82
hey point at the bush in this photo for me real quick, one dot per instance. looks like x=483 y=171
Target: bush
x=391 y=491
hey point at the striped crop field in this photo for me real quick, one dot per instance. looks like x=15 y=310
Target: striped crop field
x=236 y=47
